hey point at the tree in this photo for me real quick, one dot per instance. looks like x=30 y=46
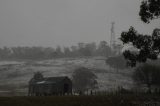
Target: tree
x=74 y=51
x=67 y=52
x=49 y=52
x=89 y=49
x=117 y=62
x=149 y=10
x=38 y=76
x=58 y=52
x=84 y=79
x=148 y=46
x=104 y=49
x=5 y=53
x=148 y=75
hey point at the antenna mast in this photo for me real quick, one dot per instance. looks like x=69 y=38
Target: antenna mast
x=112 y=40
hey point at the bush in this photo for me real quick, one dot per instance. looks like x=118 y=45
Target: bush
x=148 y=75
x=84 y=79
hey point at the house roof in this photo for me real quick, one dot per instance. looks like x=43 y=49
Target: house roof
x=55 y=79
x=49 y=80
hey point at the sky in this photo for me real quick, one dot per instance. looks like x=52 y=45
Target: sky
x=50 y=23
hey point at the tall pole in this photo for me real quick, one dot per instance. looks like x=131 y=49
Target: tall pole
x=112 y=40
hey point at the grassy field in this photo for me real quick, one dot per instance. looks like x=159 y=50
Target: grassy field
x=109 y=100
x=14 y=75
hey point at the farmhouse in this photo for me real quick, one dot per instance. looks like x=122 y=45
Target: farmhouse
x=40 y=86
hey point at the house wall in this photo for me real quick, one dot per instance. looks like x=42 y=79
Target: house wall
x=51 y=89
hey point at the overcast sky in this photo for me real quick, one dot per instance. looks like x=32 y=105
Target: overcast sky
x=66 y=22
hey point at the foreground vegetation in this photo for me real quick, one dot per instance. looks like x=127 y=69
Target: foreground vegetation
x=107 y=100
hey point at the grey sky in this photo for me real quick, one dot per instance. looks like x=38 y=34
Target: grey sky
x=66 y=22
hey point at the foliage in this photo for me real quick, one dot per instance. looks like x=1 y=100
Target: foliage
x=147 y=74
x=38 y=76
x=84 y=79
x=104 y=49
x=148 y=46
x=149 y=9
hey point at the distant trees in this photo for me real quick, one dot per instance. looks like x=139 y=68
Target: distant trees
x=148 y=46
x=84 y=79
x=34 y=53
x=147 y=74
x=104 y=49
x=89 y=49
x=67 y=52
x=58 y=52
x=31 y=53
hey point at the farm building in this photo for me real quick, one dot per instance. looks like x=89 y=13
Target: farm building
x=40 y=86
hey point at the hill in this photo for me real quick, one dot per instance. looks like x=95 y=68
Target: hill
x=15 y=75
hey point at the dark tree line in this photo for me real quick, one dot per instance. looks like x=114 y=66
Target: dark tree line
x=80 y=50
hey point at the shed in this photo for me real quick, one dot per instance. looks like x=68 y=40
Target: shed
x=40 y=86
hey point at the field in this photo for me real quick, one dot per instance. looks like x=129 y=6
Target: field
x=108 y=100
x=14 y=75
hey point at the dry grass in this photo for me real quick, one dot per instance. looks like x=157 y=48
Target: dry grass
x=108 y=100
